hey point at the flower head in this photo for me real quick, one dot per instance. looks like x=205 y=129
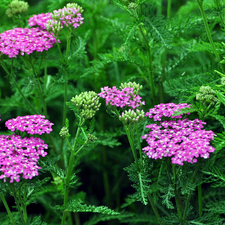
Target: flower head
x=182 y=140
x=70 y=16
x=32 y=124
x=166 y=110
x=125 y=97
x=16 y=7
x=131 y=116
x=87 y=104
x=19 y=156
x=40 y=20
x=206 y=94
x=24 y=40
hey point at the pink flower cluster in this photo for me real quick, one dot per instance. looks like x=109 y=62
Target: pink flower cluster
x=40 y=20
x=125 y=97
x=166 y=110
x=183 y=140
x=66 y=16
x=19 y=156
x=25 y=40
x=32 y=124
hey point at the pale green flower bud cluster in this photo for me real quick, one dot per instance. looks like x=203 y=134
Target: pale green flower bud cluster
x=87 y=104
x=64 y=132
x=16 y=7
x=75 y=6
x=91 y=138
x=132 y=5
x=134 y=85
x=54 y=26
x=132 y=116
x=223 y=80
x=206 y=94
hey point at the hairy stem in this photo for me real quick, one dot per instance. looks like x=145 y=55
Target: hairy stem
x=17 y=86
x=176 y=194
x=189 y=195
x=208 y=33
x=154 y=208
x=7 y=208
x=70 y=169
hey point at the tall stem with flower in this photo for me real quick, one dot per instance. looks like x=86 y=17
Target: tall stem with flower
x=86 y=105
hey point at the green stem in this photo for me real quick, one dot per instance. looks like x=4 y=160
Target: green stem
x=169 y=9
x=208 y=32
x=132 y=146
x=154 y=208
x=189 y=194
x=200 y=199
x=17 y=86
x=150 y=70
x=139 y=146
x=159 y=7
x=7 y=208
x=176 y=194
x=17 y=202
x=23 y=204
x=70 y=169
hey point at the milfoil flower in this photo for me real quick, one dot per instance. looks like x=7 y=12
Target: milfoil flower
x=125 y=97
x=166 y=110
x=19 y=156
x=70 y=16
x=24 y=40
x=32 y=124
x=182 y=140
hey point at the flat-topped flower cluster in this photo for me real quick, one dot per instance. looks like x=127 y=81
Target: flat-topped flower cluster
x=19 y=41
x=25 y=40
x=121 y=98
x=19 y=156
x=182 y=140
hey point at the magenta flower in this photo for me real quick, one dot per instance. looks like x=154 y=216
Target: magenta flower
x=40 y=20
x=125 y=97
x=182 y=140
x=32 y=124
x=24 y=40
x=19 y=156
x=68 y=16
x=166 y=110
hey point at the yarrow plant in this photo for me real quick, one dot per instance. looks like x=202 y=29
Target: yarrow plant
x=70 y=15
x=32 y=124
x=24 y=40
x=19 y=156
x=121 y=98
x=171 y=150
x=166 y=110
x=182 y=140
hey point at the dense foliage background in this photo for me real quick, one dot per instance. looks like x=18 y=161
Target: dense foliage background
x=161 y=45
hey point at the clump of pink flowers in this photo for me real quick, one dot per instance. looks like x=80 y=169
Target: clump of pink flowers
x=182 y=140
x=40 y=20
x=121 y=98
x=19 y=156
x=25 y=40
x=68 y=16
x=32 y=124
x=166 y=110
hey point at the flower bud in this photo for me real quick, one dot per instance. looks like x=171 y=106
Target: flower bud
x=134 y=85
x=64 y=132
x=16 y=7
x=87 y=104
x=131 y=116
x=207 y=94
